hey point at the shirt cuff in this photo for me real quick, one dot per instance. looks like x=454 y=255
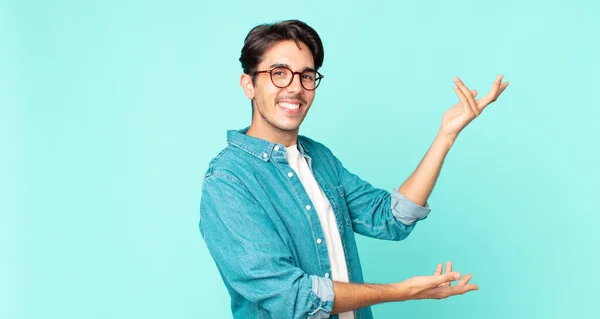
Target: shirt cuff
x=407 y=211
x=322 y=297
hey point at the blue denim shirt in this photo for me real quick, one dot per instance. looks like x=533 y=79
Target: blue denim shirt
x=261 y=230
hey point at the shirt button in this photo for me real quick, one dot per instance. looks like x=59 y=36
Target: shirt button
x=290 y=174
x=265 y=155
x=307 y=207
x=326 y=275
x=277 y=148
x=319 y=240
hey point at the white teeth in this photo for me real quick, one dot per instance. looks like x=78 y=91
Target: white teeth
x=289 y=106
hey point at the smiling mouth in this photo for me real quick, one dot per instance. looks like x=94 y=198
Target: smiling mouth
x=289 y=106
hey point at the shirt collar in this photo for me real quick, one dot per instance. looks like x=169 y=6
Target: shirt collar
x=258 y=147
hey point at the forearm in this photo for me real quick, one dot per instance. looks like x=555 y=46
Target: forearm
x=350 y=296
x=420 y=184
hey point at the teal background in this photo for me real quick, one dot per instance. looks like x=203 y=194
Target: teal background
x=111 y=110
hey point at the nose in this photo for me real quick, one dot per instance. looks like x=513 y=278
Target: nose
x=295 y=86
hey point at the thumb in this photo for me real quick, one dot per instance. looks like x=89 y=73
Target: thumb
x=445 y=278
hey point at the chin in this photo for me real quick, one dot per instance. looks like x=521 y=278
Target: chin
x=287 y=128
x=287 y=125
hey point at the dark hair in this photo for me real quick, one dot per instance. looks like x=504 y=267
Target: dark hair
x=263 y=36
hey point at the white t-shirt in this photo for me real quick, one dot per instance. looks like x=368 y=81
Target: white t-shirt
x=337 y=259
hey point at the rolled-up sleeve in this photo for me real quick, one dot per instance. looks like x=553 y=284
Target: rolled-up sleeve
x=252 y=258
x=407 y=211
x=322 y=289
x=376 y=212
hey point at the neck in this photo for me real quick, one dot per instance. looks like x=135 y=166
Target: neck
x=273 y=135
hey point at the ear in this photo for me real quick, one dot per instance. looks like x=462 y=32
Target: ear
x=246 y=84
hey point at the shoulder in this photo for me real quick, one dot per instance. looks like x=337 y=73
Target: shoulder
x=228 y=163
x=222 y=188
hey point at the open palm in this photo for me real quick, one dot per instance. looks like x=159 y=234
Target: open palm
x=461 y=114
x=439 y=285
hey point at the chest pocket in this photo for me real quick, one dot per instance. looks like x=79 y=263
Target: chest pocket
x=342 y=205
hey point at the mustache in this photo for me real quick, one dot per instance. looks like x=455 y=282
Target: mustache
x=292 y=97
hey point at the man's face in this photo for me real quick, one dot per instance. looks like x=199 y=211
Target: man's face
x=282 y=109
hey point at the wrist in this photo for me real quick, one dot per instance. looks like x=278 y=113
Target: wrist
x=401 y=291
x=446 y=139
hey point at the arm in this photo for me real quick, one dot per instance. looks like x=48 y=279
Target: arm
x=376 y=212
x=257 y=265
x=420 y=184
x=349 y=296
x=251 y=257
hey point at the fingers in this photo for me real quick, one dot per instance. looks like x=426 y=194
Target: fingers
x=445 y=292
x=474 y=95
x=497 y=89
x=439 y=285
x=459 y=290
x=442 y=292
x=477 y=106
x=464 y=280
x=463 y=100
x=445 y=278
x=502 y=87
x=448 y=269
x=438 y=270
x=465 y=288
x=468 y=95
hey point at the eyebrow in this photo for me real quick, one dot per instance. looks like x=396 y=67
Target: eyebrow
x=283 y=65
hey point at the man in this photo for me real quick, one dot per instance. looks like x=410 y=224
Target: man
x=279 y=211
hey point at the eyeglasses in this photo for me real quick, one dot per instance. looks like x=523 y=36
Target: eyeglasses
x=282 y=77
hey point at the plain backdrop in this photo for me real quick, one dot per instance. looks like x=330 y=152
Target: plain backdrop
x=111 y=110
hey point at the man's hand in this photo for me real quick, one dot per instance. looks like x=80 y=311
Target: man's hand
x=350 y=296
x=436 y=286
x=461 y=114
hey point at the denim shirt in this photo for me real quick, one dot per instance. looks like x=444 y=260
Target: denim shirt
x=261 y=229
